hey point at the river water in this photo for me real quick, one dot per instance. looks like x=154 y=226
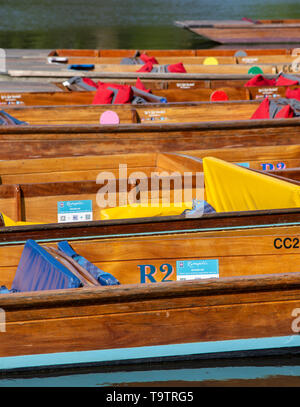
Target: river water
x=123 y=23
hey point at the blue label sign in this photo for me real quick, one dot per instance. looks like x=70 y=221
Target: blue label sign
x=192 y=269
x=74 y=211
x=246 y=165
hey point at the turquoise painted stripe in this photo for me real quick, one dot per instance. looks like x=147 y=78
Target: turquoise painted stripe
x=143 y=352
x=151 y=376
x=162 y=232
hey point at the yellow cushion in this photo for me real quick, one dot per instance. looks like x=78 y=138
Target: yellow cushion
x=210 y=61
x=142 y=211
x=10 y=222
x=230 y=187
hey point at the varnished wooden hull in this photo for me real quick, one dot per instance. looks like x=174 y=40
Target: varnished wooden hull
x=127 y=113
x=222 y=317
x=34 y=195
x=246 y=32
x=17 y=142
x=123 y=53
x=255 y=35
x=186 y=60
x=133 y=70
x=86 y=168
x=178 y=92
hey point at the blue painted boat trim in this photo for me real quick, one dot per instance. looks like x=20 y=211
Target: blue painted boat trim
x=162 y=232
x=146 y=352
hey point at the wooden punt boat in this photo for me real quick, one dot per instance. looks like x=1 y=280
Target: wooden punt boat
x=130 y=53
x=38 y=202
x=229 y=69
x=167 y=84
x=174 y=112
x=37 y=141
x=250 y=307
x=185 y=60
x=127 y=113
x=245 y=31
x=54 y=328
x=184 y=92
x=164 y=179
x=61 y=74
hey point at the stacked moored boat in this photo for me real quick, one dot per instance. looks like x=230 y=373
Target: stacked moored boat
x=150 y=207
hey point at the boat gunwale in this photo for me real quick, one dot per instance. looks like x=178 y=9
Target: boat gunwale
x=153 y=127
x=151 y=220
x=132 y=293
x=154 y=226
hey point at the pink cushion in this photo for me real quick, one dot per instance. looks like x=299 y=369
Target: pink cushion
x=109 y=117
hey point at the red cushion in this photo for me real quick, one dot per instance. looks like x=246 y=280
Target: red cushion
x=282 y=81
x=140 y=85
x=109 y=85
x=177 y=68
x=218 y=95
x=292 y=93
x=124 y=92
x=262 y=112
x=285 y=113
x=124 y=95
x=259 y=80
x=90 y=82
x=145 y=58
x=146 y=68
x=103 y=96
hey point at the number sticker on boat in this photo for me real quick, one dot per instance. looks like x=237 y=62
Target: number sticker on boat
x=286 y=243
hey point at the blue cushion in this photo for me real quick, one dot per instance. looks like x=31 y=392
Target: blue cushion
x=39 y=270
x=103 y=277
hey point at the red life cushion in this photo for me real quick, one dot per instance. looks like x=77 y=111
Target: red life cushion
x=259 y=80
x=109 y=85
x=103 y=96
x=292 y=93
x=124 y=95
x=282 y=81
x=90 y=82
x=146 y=68
x=140 y=85
x=145 y=58
x=262 y=112
x=285 y=113
x=177 y=68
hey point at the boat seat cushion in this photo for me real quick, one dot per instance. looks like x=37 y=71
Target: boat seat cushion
x=39 y=270
x=113 y=93
x=101 y=276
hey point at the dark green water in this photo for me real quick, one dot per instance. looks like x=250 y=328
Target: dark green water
x=122 y=23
